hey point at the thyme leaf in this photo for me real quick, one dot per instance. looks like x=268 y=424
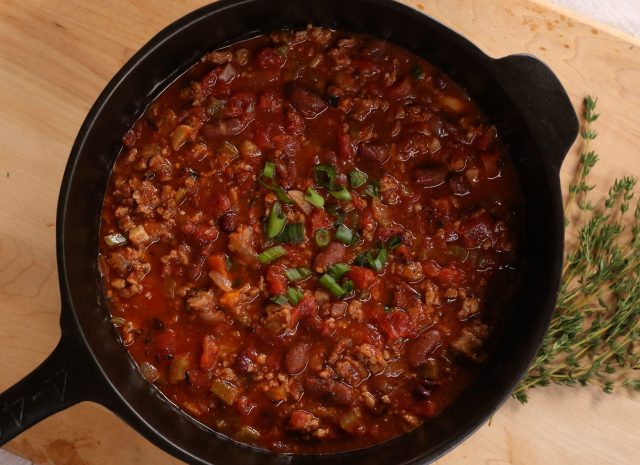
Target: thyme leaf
x=594 y=336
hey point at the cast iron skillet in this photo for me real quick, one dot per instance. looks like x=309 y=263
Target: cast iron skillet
x=519 y=93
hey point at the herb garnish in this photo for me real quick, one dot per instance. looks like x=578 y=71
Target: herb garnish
x=594 y=336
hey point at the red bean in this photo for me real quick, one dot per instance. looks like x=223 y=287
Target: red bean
x=421 y=347
x=431 y=177
x=296 y=358
x=375 y=152
x=228 y=222
x=306 y=102
x=333 y=254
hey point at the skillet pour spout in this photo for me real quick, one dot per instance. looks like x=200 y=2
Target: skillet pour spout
x=518 y=93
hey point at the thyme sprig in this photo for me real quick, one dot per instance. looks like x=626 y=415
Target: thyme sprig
x=594 y=336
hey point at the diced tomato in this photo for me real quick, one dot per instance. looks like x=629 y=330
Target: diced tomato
x=240 y=104
x=395 y=325
x=244 y=406
x=386 y=232
x=358 y=201
x=220 y=203
x=209 y=81
x=307 y=308
x=230 y=299
x=402 y=89
x=402 y=251
x=205 y=233
x=366 y=67
x=289 y=145
x=199 y=379
x=209 y=355
x=276 y=280
x=475 y=231
x=431 y=269
x=451 y=275
x=166 y=343
x=362 y=278
x=345 y=147
x=218 y=262
x=300 y=420
x=426 y=408
x=295 y=123
x=270 y=101
x=268 y=58
x=366 y=220
x=487 y=139
x=129 y=138
x=320 y=219
x=446 y=275
x=263 y=138
x=490 y=164
x=442 y=205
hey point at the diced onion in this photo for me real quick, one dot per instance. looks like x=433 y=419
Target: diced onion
x=115 y=240
x=149 y=371
x=221 y=281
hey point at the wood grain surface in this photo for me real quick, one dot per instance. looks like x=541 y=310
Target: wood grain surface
x=55 y=58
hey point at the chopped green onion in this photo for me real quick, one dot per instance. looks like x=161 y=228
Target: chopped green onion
x=344 y=234
x=279 y=299
x=348 y=287
x=338 y=270
x=294 y=295
x=357 y=178
x=279 y=191
x=115 y=240
x=372 y=189
x=269 y=255
x=276 y=221
x=394 y=241
x=457 y=252
x=361 y=259
x=331 y=285
x=282 y=195
x=378 y=262
x=269 y=170
x=417 y=72
x=314 y=198
x=339 y=213
x=322 y=238
x=325 y=175
x=292 y=234
x=297 y=274
x=342 y=194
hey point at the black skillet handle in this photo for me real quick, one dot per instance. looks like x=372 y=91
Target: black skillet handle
x=546 y=100
x=59 y=382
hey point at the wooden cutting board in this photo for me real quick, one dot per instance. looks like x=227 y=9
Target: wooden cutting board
x=55 y=58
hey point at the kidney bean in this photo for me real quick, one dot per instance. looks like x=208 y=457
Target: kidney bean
x=296 y=358
x=421 y=347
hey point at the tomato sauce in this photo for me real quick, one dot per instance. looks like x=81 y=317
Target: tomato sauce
x=302 y=236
